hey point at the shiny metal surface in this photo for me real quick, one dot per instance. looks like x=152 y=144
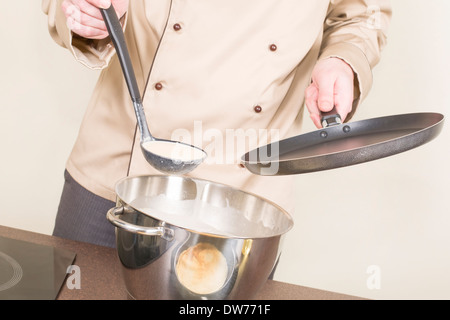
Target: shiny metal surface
x=149 y=261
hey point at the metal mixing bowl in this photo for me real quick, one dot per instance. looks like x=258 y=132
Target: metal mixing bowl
x=158 y=217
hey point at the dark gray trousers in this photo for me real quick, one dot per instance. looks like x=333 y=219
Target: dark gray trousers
x=81 y=215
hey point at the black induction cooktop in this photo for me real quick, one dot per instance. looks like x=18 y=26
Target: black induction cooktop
x=30 y=271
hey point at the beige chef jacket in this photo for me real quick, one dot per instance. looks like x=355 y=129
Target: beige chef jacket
x=222 y=75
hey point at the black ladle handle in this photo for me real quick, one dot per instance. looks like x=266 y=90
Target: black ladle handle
x=115 y=32
x=118 y=39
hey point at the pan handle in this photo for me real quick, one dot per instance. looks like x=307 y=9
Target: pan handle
x=114 y=214
x=331 y=118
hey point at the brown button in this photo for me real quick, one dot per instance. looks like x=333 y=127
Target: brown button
x=257 y=109
x=176 y=27
x=241 y=165
x=273 y=47
x=158 y=86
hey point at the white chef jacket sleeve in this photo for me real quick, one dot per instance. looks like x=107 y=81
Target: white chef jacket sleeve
x=355 y=31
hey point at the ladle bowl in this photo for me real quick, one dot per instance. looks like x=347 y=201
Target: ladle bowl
x=172 y=164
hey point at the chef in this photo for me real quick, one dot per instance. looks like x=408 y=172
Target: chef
x=225 y=76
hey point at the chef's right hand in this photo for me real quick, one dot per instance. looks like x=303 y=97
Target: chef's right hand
x=84 y=17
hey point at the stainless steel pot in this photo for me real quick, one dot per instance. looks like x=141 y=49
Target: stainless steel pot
x=158 y=218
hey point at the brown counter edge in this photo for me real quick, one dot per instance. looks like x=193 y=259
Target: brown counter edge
x=108 y=284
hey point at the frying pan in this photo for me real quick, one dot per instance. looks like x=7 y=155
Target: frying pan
x=344 y=144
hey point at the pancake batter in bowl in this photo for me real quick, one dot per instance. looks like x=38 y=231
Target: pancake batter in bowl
x=175 y=151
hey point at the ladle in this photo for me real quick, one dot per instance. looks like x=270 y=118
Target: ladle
x=170 y=165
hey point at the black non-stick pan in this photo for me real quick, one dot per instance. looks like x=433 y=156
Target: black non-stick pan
x=344 y=144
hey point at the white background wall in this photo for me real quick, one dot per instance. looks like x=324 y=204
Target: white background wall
x=393 y=213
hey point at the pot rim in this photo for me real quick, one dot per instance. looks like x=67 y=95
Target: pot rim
x=289 y=221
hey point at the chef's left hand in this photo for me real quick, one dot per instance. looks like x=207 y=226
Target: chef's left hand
x=332 y=85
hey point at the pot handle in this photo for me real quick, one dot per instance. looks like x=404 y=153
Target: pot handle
x=114 y=214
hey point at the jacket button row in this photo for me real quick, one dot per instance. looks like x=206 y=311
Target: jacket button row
x=176 y=27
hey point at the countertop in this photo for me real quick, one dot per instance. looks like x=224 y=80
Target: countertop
x=101 y=277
